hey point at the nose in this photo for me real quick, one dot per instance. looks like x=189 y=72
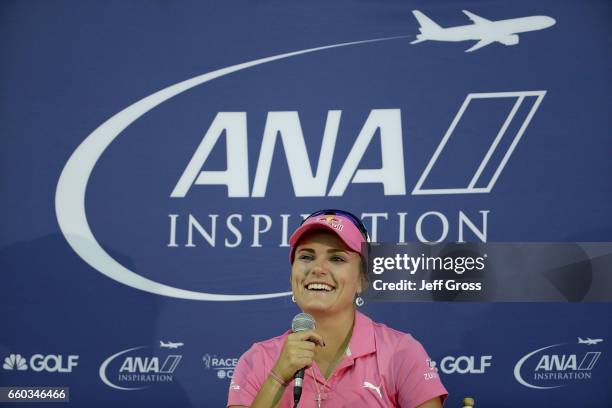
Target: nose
x=318 y=270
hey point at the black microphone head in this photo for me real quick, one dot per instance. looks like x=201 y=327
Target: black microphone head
x=302 y=322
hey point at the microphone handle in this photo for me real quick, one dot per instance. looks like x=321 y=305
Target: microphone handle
x=297 y=386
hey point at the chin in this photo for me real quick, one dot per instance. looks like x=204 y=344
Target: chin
x=315 y=307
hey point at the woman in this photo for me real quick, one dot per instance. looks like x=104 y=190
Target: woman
x=351 y=361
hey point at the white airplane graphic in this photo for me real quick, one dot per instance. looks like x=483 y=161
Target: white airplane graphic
x=483 y=30
x=170 y=345
x=589 y=341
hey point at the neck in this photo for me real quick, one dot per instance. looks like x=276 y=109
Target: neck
x=335 y=330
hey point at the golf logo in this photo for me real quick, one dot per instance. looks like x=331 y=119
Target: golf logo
x=465 y=364
x=224 y=367
x=462 y=364
x=51 y=363
x=140 y=367
x=558 y=365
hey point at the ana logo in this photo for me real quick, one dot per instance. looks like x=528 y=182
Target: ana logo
x=465 y=364
x=52 y=363
x=482 y=30
x=557 y=365
x=130 y=370
x=223 y=366
x=381 y=127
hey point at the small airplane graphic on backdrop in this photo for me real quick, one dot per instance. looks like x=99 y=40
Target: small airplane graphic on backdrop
x=170 y=345
x=589 y=341
x=482 y=30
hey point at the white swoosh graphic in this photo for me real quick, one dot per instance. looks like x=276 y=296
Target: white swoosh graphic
x=72 y=184
x=108 y=361
x=519 y=364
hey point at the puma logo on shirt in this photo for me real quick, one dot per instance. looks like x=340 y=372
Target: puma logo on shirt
x=372 y=387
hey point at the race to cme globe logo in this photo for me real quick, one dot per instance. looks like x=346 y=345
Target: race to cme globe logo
x=159 y=194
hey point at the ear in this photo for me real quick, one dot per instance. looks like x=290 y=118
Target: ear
x=363 y=278
x=363 y=284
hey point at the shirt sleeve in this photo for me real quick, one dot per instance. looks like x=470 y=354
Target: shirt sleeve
x=416 y=376
x=248 y=377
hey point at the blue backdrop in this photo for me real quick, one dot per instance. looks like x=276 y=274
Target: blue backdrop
x=155 y=156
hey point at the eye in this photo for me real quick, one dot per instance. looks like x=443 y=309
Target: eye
x=337 y=258
x=305 y=257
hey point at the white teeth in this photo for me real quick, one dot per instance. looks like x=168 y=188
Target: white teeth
x=319 y=286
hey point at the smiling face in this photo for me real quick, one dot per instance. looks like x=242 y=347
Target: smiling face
x=325 y=274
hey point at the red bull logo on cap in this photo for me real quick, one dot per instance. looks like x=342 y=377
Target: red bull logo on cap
x=335 y=223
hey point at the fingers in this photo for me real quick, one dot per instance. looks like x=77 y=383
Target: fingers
x=308 y=335
x=294 y=344
x=300 y=358
x=302 y=354
x=298 y=352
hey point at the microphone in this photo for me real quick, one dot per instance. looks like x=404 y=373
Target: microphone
x=468 y=402
x=301 y=322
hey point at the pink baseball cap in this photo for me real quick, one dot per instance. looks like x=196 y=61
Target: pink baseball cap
x=338 y=224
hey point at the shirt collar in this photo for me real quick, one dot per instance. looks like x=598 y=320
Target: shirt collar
x=362 y=341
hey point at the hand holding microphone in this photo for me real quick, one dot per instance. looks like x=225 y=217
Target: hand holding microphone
x=298 y=351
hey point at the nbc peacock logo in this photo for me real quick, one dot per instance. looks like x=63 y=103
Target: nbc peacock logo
x=15 y=362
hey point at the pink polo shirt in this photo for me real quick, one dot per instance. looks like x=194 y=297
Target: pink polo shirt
x=382 y=367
